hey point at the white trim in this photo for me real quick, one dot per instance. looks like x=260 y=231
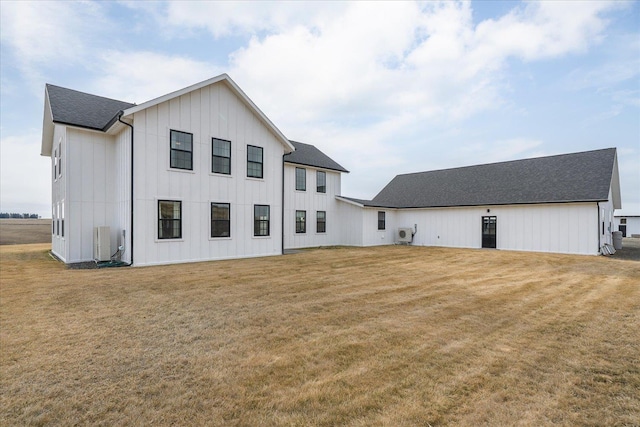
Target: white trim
x=224 y=78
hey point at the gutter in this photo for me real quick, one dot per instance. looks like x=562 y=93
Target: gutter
x=120 y=113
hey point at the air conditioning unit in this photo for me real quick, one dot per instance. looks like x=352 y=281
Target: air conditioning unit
x=102 y=243
x=405 y=235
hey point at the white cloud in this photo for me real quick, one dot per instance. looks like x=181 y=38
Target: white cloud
x=49 y=33
x=22 y=173
x=141 y=76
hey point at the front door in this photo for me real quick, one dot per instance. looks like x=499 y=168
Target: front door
x=623 y=229
x=489 y=232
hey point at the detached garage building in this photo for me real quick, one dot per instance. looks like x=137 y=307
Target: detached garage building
x=561 y=203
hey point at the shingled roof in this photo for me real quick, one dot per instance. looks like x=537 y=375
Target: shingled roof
x=577 y=177
x=309 y=155
x=72 y=107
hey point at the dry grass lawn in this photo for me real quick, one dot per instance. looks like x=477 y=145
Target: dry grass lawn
x=394 y=336
x=20 y=231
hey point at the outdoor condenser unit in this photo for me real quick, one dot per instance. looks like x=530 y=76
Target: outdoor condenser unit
x=405 y=235
x=102 y=243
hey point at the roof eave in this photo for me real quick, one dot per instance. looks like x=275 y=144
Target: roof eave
x=316 y=166
x=48 y=127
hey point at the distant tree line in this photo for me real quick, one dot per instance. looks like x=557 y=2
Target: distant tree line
x=19 y=215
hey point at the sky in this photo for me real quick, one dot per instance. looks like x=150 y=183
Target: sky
x=383 y=88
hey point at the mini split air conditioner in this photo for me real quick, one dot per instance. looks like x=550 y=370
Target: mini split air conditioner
x=405 y=235
x=102 y=244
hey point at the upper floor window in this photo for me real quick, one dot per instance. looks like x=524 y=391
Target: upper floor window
x=220 y=220
x=261 y=220
x=381 y=220
x=321 y=182
x=221 y=152
x=59 y=160
x=55 y=163
x=301 y=221
x=254 y=161
x=301 y=179
x=181 y=150
x=169 y=219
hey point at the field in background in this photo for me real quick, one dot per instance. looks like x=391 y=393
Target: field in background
x=22 y=231
x=346 y=336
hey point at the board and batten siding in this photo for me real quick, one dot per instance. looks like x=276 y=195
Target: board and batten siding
x=562 y=227
x=311 y=201
x=59 y=194
x=92 y=179
x=212 y=111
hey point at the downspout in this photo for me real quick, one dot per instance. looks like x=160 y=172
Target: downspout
x=282 y=225
x=131 y=210
x=598 y=207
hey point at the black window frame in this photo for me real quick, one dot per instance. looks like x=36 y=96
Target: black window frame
x=382 y=220
x=258 y=223
x=251 y=163
x=301 y=222
x=215 y=156
x=301 y=179
x=220 y=223
x=162 y=222
x=321 y=188
x=173 y=150
x=321 y=223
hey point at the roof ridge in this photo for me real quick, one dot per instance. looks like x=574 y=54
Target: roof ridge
x=506 y=161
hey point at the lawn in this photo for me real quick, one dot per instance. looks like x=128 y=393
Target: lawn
x=342 y=336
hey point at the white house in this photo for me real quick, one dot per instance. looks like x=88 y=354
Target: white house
x=629 y=225
x=561 y=204
x=202 y=174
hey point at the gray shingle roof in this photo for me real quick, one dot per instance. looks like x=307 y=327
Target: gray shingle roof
x=81 y=109
x=309 y=155
x=577 y=177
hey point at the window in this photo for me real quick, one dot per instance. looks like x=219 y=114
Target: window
x=181 y=150
x=623 y=220
x=381 y=220
x=58 y=220
x=254 y=161
x=301 y=221
x=321 y=222
x=59 y=160
x=62 y=219
x=321 y=182
x=221 y=156
x=169 y=219
x=220 y=220
x=260 y=220
x=301 y=179
x=55 y=163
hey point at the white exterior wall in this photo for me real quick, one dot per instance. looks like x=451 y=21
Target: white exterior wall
x=122 y=207
x=311 y=201
x=562 y=228
x=350 y=223
x=59 y=197
x=606 y=221
x=91 y=191
x=212 y=111
x=633 y=224
x=371 y=235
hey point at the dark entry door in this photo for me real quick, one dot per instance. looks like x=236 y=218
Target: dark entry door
x=623 y=229
x=489 y=232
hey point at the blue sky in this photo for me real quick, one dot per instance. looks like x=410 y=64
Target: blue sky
x=383 y=88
